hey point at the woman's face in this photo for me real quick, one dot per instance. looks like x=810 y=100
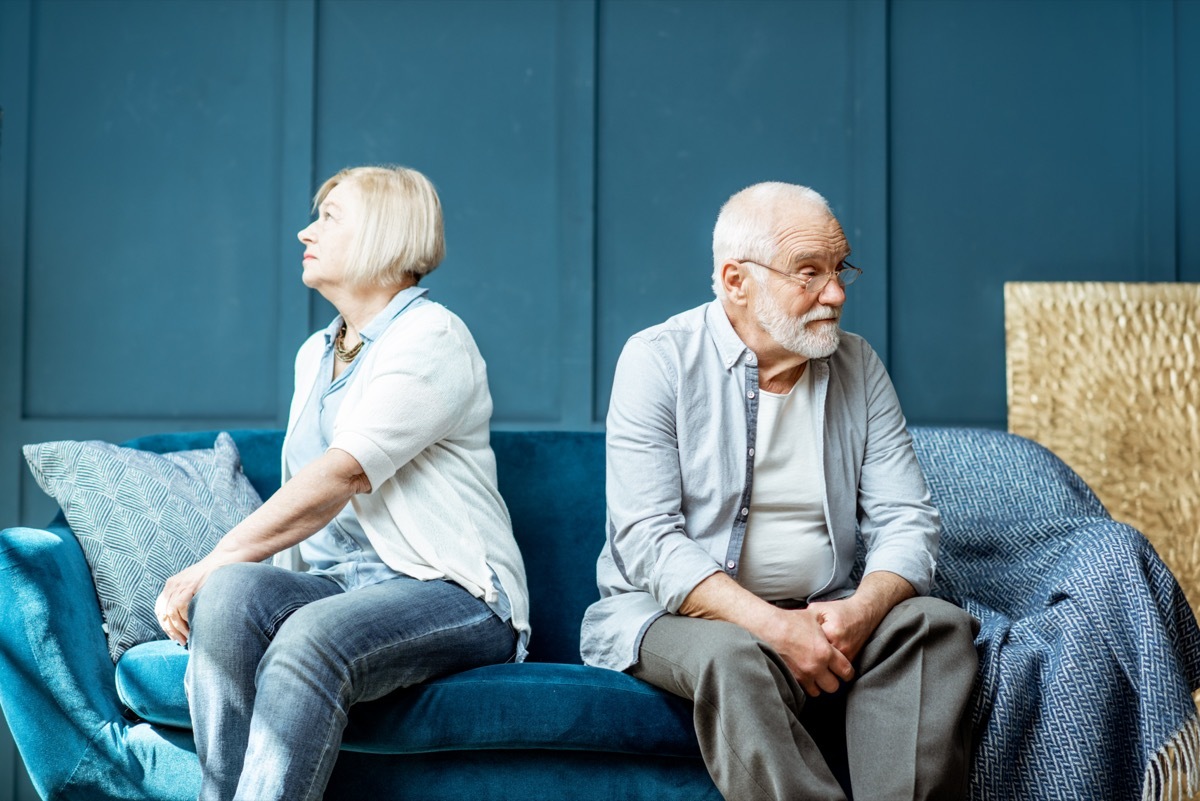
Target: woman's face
x=327 y=240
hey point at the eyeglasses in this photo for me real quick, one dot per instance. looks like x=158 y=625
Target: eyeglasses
x=846 y=275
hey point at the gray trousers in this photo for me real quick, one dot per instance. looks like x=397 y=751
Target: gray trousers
x=901 y=728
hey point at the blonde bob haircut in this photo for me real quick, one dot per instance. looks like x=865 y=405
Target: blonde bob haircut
x=402 y=235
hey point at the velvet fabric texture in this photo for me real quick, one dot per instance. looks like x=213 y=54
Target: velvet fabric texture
x=558 y=706
x=552 y=728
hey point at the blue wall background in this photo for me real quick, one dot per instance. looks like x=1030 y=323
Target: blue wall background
x=156 y=160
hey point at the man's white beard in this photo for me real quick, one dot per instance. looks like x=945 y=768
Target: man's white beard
x=792 y=333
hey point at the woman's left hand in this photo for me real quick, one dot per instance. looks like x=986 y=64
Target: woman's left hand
x=171 y=608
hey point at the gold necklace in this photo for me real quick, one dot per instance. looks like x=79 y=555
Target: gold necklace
x=339 y=346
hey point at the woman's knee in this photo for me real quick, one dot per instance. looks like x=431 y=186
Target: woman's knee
x=225 y=590
x=253 y=593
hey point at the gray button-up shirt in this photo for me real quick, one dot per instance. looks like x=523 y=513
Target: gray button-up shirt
x=680 y=472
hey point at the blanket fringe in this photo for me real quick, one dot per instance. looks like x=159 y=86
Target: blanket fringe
x=1174 y=771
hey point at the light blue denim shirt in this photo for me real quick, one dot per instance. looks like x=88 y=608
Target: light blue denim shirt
x=341 y=550
x=680 y=472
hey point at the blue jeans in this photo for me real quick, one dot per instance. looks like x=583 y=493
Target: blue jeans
x=278 y=657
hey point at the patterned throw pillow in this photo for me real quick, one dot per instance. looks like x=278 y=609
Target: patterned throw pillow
x=142 y=517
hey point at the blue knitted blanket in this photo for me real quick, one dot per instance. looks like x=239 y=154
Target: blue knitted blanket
x=1089 y=650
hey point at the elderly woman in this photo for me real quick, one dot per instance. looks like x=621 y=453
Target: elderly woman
x=394 y=559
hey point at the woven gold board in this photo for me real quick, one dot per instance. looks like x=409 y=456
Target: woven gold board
x=1107 y=376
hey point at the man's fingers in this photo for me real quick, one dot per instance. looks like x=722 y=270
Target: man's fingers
x=841 y=666
x=829 y=683
x=826 y=682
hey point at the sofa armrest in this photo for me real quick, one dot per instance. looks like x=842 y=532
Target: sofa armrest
x=57 y=685
x=1089 y=654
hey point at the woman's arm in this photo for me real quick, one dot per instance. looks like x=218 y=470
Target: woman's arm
x=301 y=507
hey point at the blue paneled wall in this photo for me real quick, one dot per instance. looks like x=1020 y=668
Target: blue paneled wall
x=156 y=160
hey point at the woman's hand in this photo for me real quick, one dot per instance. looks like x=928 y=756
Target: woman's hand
x=171 y=608
x=303 y=505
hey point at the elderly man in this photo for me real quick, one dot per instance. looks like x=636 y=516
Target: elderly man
x=750 y=444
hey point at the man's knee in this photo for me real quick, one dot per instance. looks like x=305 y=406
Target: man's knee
x=933 y=615
x=924 y=624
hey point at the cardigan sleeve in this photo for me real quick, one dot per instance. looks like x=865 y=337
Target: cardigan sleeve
x=424 y=380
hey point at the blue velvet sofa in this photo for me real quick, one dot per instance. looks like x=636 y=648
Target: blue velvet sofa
x=1020 y=528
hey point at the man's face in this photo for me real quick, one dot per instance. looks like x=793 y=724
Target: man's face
x=800 y=321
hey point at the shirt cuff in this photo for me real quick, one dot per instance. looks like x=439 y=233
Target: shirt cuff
x=674 y=589
x=916 y=571
x=371 y=458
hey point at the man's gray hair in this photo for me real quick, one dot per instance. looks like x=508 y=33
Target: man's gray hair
x=749 y=224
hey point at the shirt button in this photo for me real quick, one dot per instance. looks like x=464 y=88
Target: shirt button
x=745 y=511
x=750 y=394
x=731 y=565
x=752 y=451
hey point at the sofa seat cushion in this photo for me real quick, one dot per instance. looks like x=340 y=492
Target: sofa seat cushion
x=531 y=705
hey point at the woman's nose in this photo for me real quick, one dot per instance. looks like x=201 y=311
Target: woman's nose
x=305 y=235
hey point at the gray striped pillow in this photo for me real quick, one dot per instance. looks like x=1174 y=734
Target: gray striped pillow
x=142 y=517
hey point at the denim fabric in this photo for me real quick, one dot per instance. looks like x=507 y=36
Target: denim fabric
x=278 y=657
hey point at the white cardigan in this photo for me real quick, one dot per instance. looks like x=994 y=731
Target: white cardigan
x=416 y=419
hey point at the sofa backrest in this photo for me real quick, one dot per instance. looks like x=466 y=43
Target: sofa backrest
x=553 y=484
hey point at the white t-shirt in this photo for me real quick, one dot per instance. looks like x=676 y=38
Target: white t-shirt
x=787 y=553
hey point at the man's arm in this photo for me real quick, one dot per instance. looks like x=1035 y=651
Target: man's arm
x=647 y=535
x=898 y=521
x=797 y=635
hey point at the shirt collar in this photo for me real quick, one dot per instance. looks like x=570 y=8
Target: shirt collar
x=729 y=345
x=379 y=323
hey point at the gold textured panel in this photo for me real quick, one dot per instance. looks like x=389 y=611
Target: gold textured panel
x=1106 y=376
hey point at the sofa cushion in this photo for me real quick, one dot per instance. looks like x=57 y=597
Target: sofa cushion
x=532 y=705
x=141 y=518
x=150 y=683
